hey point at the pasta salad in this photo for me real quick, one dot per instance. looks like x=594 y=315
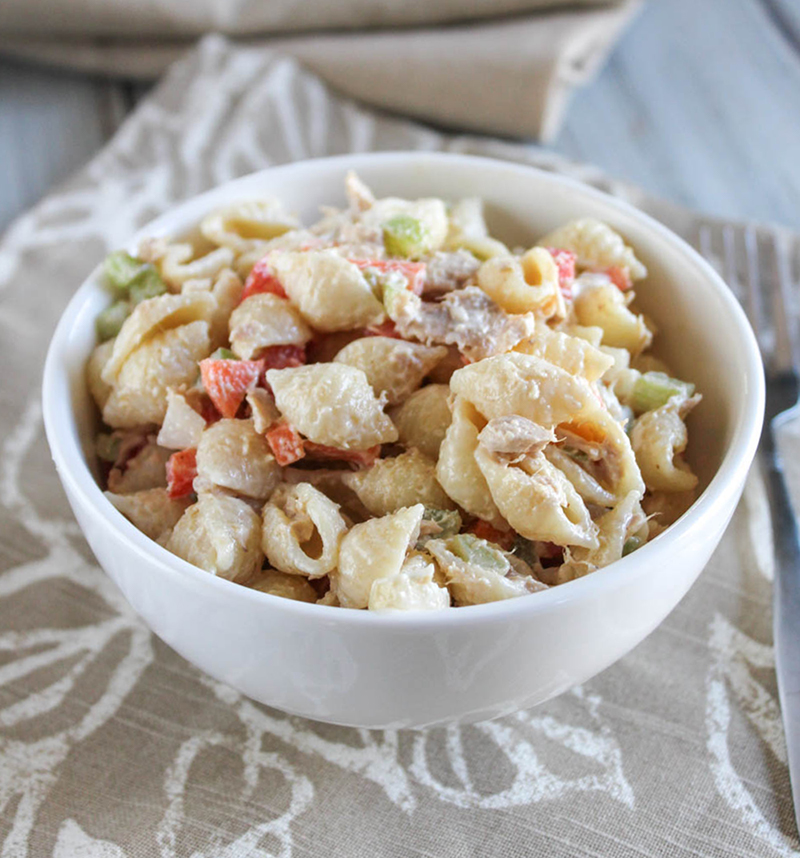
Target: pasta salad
x=389 y=409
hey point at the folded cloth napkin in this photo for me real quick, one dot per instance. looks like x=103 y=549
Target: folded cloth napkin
x=112 y=746
x=500 y=66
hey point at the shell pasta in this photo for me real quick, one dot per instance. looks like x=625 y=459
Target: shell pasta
x=388 y=409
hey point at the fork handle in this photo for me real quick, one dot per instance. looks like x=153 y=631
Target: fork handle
x=786 y=545
x=786 y=608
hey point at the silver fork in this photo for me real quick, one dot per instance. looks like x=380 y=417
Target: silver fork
x=757 y=267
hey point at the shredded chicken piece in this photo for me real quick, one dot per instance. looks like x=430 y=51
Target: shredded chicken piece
x=586 y=484
x=359 y=195
x=604 y=457
x=446 y=272
x=466 y=318
x=511 y=438
x=341 y=228
x=593 y=449
x=688 y=405
x=140 y=465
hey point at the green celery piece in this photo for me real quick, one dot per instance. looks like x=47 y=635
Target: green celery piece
x=107 y=447
x=654 y=389
x=391 y=290
x=130 y=277
x=631 y=545
x=472 y=549
x=578 y=456
x=119 y=269
x=373 y=281
x=404 y=235
x=110 y=320
x=384 y=283
x=147 y=283
x=524 y=549
x=448 y=521
x=223 y=354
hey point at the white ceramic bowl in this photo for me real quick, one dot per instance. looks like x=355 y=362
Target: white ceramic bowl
x=357 y=668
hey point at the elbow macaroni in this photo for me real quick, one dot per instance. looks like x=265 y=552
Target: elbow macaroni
x=302 y=530
x=373 y=550
x=457 y=470
x=261 y=321
x=332 y=404
x=404 y=480
x=394 y=368
x=525 y=285
x=330 y=292
x=422 y=420
x=597 y=246
x=220 y=534
x=232 y=455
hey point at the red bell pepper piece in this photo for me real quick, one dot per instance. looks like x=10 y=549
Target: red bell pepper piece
x=208 y=411
x=227 y=381
x=181 y=471
x=565 y=261
x=483 y=530
x=262 y=279
x=414 y=272
x=620 y=277
x=358 y=458
x=281 y=357
x=286 y=444
x=384 y=329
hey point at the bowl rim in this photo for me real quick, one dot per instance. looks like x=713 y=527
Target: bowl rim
x=74 y=471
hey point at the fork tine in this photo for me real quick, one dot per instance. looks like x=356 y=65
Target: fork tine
x=787 y=348
x=754 y=301
x=704 y=241
x=729 y=266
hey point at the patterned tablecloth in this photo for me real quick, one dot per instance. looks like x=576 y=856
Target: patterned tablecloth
x=111 y=745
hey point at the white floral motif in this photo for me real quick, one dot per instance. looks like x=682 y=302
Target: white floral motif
x=377 y=758
x=28 y=769
x=514 y=738
x=255 y=760
x=74 y=842
x=733 y=655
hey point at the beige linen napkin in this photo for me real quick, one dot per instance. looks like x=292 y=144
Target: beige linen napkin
x=112 y=746
x=483 y=68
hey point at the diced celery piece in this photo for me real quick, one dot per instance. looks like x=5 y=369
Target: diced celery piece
x=373 y=278
x=108 y=446
x=631 y=545
x=524 y=549
x=441 y=524
x=404 y=235
x=223 y=354
x=128 y=276
x=119 y=269
x=110 y=320
x=384 y=284
x=472 y=549
x=391 y=290
x=146 y=284
x=579 y=456
x=654 y=389
x=447 y=519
